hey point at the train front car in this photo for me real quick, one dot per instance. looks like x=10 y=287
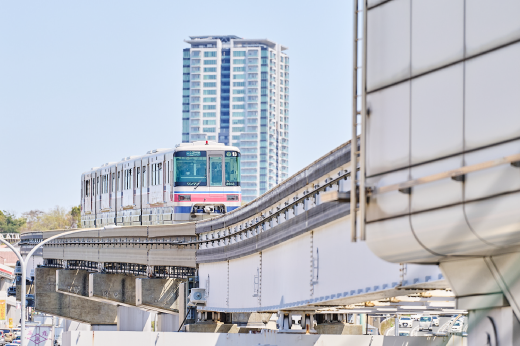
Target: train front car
x=206 y=180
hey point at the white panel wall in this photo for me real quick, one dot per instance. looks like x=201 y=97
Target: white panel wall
x=437 y=114
x=241 y=279
x=491 y=23
x=388 y=59
x=388 y=129
x=343 y=265
x=492 y=102
x=286 y=272
x=394 y=241
x=437 y=33
x=218 y=282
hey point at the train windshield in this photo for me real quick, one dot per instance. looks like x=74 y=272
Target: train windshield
x=232 y=159
x=190 y=168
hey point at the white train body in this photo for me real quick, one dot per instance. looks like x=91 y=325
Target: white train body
x=192 y=182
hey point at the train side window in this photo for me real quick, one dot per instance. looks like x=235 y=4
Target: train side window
x=118 y=180
x=144 y=177
x=113 y=181
x=138 y=175
x=215 y=171
x=87 y=188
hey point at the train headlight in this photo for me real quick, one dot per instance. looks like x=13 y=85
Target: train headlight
x=183 y=198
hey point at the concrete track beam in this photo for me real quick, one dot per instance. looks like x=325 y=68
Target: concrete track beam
x=73 y=281
x=118 y=289
x=68 y=306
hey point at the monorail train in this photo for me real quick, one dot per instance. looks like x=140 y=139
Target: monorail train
x=194 y=181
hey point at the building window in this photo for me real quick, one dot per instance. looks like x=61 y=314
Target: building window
x=238 y=129
x=195 y=61
x=239 y=114
x=210 y=107
x=195 y=114
x=210 y=62
x=239 y=106
x=210 y=92
x=238 y=121
x=208 y=129
x=209 y=84
x=252 y=98
x=239 y=53
x=239 y=99
x=209 y=115
x=195 y=91
x=195 y=53
x=211 y=138
x=239 y=91
x=195 y=106
x=239 y=84
x=252 y=83
x=210 y=99
x=239 y=61
x=210 y=54
x=195 y=84
x=195 y=99
x=195 y=76
x=239 y=76
x=210 y=76
x=239 y=69
x=209 y=122
x=208 y=69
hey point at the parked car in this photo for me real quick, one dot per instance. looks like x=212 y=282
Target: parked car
x=11 y=291
x=435 y=321
x=425 y=323
x=404 y=333
x=9 y=336
x=457 y=326
x=405 y=322
x=416 y=317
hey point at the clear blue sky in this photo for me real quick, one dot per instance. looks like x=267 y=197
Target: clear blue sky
x=87 y=82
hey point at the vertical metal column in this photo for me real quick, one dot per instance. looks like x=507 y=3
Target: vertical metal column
x=355 y=186
x=362 y=144
x=353 y=141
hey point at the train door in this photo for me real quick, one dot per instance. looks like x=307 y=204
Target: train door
x=216 y=177
x=128 y=188
x=113 y=184
x=215 y=170
x=119 y=190
x=157 y=179
x=168 y=177
x=105 y=201
x=145 y=186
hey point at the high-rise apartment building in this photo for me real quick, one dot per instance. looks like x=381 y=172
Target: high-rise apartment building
x=236 y=91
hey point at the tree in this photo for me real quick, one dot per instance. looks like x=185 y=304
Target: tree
x=56 y=218
x=75 y=212
x=9 y=223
